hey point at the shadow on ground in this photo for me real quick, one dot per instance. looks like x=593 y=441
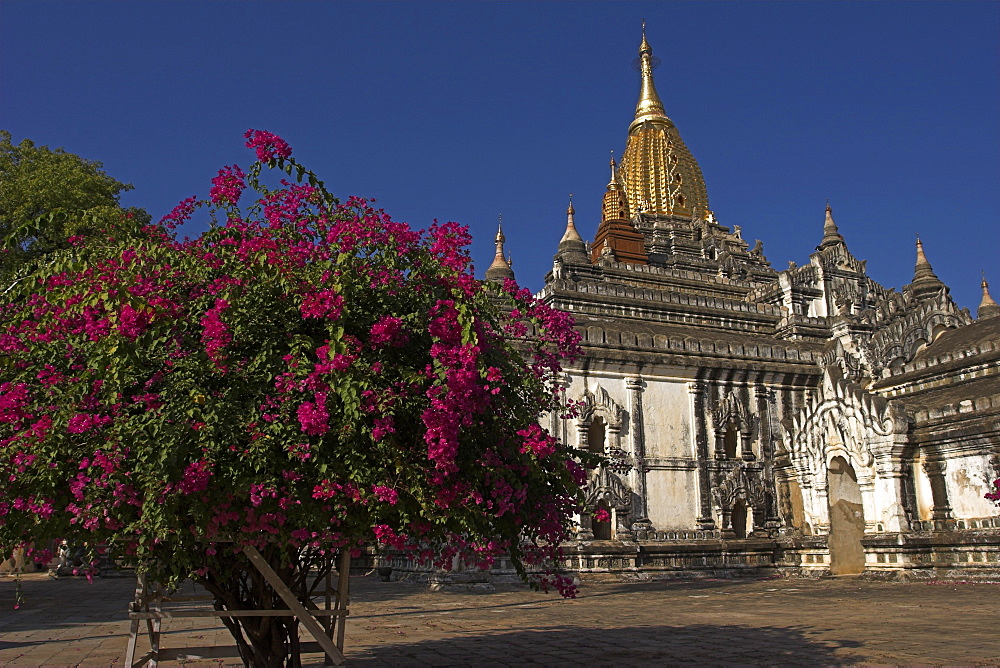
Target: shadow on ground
x=645 y=645
x=574 y=645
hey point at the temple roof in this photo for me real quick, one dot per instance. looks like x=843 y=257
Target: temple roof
x=952 y=351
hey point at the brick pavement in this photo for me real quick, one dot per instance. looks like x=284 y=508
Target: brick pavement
x=69 y=622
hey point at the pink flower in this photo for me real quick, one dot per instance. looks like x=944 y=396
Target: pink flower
x=313 y=416
x=602 y=515
x=388 y=330
x=11 y=344
x=196 y=477
x=383 y=427
x=132 y=323
x=259 y=492
x=537 y=441
x=84 y=422
x=228 y=186
x=326 y=490
x=13 y=399
x=322 y=304
x=387 y=494
x=578 y=472
x=268 y=146
x=180 y=214
x=385 y=534
x=215 y=335
x=300 y=451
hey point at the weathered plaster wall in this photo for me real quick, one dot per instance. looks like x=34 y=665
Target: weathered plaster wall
x=666 y=405
x=673 y=498
x=969 y=478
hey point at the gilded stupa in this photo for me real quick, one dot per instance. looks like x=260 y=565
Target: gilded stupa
x=655 y=208
x=658 y=172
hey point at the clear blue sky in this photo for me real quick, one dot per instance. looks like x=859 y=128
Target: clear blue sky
x=461 y=111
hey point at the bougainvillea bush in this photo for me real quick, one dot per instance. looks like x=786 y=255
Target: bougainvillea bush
x=307 y=376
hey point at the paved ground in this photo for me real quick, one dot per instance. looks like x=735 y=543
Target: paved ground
x=69 y=622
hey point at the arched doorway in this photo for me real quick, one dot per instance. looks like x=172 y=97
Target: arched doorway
x=847 y=519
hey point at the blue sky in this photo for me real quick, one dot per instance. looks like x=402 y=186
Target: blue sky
x=462 y=111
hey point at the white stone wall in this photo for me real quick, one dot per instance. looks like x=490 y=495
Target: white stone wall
x=666 y=405
x=672 y=498
x=672 y=479
x=969 y=478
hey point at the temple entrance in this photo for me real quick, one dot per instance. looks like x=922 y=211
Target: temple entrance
x=847 y=519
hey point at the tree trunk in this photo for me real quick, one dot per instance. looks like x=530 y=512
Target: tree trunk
x=263 y=642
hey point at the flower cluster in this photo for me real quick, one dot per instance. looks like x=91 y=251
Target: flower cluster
x=215 y=336
x=132 y=322
x=388 y=331
x=268 y=146
x=322 y=305
x=228 y=186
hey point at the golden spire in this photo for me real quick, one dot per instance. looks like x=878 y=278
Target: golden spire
x=987 y=307
x=657 y=172
x=649 y=104
x=615 y=206
x=616 y=237
x=500 y=269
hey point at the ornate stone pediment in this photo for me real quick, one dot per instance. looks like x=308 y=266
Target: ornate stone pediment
x=844 y=417
x=854 y=365
x=904 y=326
x=740 y=483
x=732 y=409
x=600 y=401
x=604 y=485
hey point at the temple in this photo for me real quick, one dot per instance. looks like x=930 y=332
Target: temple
x=808 y=420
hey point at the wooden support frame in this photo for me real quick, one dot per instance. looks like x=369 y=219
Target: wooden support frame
x=149 y=598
